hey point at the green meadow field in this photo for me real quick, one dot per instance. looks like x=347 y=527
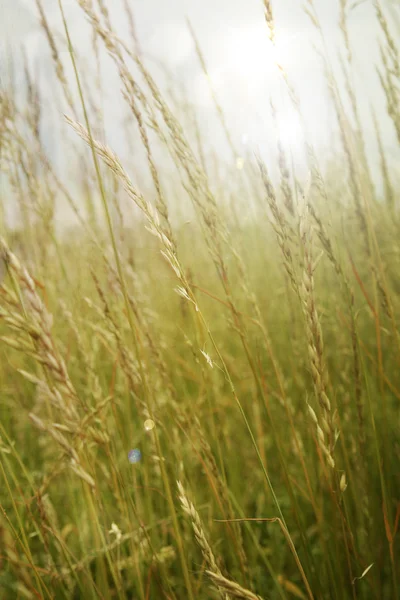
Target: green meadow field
x=199 y=376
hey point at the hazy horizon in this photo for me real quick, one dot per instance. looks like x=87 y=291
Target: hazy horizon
x=242 y=65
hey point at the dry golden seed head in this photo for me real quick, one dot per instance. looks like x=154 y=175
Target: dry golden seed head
x=13 y=343
x=50 y=511
x=343 y=483
x=98 y=436
x=198 y=530
x=78 y=470
x=325 y=426
x=233 y=589
x=37 y=422
x=62 y=427
x=165 y=555
x=208 y=359
x=330 y=460
x=269 y=17
x=312 y=414
x=58 y=437
x=321 y=436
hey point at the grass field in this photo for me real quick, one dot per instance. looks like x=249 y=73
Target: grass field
x=249 y=349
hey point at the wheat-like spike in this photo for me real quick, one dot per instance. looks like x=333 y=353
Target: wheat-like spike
x=37 y=322
x=200 y=536
x=233 y=589
x=269 y=17
x=316 y=349
x=280 y=226
x=60 y=71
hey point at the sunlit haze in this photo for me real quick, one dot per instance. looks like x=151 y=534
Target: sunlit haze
x=244 y=67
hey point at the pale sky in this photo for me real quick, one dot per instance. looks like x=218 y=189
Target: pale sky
x=233 y=37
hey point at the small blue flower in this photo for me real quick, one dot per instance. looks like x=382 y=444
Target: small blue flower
x=134 y=456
